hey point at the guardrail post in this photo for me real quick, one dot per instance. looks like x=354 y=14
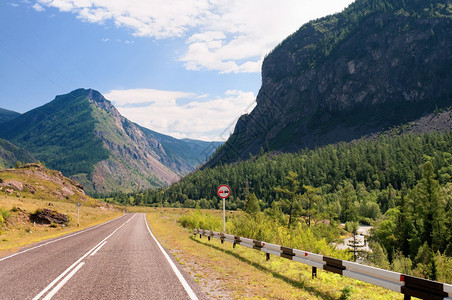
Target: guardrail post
x=406 y=297
x=208 y=238
x=267 y=256
x=314 y=272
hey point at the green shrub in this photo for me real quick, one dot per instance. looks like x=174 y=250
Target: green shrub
x=201 y=221
x=346 y=293
x=4 y=214
x=261 y=226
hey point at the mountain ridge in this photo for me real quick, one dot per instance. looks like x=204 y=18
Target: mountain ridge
x=11 y=155
x=83 y=135
x=7 y=115
x=376 y=65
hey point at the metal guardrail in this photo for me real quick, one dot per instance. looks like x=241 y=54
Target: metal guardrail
x=398 y=282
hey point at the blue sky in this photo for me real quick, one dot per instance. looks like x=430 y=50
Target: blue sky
x=187 y=68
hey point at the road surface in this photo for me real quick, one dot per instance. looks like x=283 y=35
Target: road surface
x=119 y=259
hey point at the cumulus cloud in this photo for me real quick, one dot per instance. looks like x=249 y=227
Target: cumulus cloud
x=229 y=36
x=198 y=117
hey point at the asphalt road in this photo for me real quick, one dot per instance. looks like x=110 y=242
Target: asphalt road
x=119 y=259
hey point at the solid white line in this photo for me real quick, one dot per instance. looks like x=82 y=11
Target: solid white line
x=63 y=282
x=62 y=238
x=181 y=278
x=95 y=251
x=74 y=264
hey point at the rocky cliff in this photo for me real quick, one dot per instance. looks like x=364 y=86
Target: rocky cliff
x=376 y=65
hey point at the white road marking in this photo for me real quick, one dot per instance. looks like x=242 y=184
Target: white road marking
x=78 y=261
x=64 y=237
x=95 y=251
x=181 y=278
x=63 y=282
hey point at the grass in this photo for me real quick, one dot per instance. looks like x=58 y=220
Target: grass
x=226 y=272
x=17 y=232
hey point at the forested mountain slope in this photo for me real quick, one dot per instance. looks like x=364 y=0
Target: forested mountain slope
x=6 y=115
x=10 y=155
x=378 y=64
x=85 y=137
x=389 y=161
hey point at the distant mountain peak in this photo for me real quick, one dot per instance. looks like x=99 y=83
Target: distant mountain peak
x=85 y=137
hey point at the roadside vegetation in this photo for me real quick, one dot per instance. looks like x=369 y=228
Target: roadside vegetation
x=226 y=272
x=399 y=184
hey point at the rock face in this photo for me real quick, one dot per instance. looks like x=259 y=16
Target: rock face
x=34 y=180
x=376 y=65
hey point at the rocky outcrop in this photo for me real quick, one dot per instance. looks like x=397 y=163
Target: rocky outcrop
x=376 y=65
x=48 y=216
x=39 y=182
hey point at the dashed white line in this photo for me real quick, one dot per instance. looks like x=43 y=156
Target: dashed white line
x=62 y=238
x=47 y=288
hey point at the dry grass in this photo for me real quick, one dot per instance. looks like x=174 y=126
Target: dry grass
x=33 y=187
x=227 y=273
x=18 y=231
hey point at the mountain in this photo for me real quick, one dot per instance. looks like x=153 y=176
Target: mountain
x=194 y=152
x=376 y=65
x=6 y=115
x=10 y=155
x=84 y=136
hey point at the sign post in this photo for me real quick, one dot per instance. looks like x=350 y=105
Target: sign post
x=223 y=192
x=78 y=213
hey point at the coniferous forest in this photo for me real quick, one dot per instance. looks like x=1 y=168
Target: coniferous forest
x=399 y=184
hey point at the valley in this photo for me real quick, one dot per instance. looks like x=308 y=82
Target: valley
x=350 y=135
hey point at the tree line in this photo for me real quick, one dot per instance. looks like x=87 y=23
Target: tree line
x=400 y=184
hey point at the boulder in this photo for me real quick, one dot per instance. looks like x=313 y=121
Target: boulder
x=48 y=216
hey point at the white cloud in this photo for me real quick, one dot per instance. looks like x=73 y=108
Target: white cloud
x=38 y=7
x=200 y=117
x=222 y=35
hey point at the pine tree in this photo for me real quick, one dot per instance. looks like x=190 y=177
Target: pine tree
x=431 y=211
x=347 y=196
x=252 y=204
x=310 y=200
x=291 y=197
x=404 y=223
